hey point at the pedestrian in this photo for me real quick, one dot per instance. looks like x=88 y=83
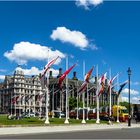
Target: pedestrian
x=136 y=117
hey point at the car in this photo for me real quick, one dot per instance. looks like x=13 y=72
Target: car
x=27 y=115
x=32 y=114
x=57 y=113
x=72 y=114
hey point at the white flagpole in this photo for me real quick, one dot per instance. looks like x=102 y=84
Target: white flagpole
x=118 y=100
x=60 y=102
x=77 y=118
x=29 y=104
x=47 y=91
x=97 y=97
x=87 y=101
x=40 y=103
x=15 y=107
x=83 y=95
x=68 y=104
x=110 y=98
x=11 y=104
x=24 y=103
x=34 y=99
x=20 y=105
x=66 y=120
x=53 y=102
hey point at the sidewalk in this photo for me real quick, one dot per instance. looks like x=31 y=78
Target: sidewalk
x=63 y=128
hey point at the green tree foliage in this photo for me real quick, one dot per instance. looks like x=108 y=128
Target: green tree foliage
x=72 y=103
x=126 y=104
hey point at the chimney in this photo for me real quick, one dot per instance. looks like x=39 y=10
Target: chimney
x=74 y=76
x=106 y=82
x=50 y=75
x=95 y=80
x=60 y=72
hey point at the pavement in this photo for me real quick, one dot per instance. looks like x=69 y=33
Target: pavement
x=64 y=128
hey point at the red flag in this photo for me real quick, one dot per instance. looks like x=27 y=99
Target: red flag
x=14 y=99
x=86 y=80
x=87 y=76
x=101 y=84
x=48 y=66
x=111 y=81
x=62 y=77
x=83 y=87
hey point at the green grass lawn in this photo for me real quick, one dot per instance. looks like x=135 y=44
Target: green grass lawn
x=36 y=121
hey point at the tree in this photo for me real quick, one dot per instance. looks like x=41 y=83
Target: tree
x=72 y=103
x=126 y=104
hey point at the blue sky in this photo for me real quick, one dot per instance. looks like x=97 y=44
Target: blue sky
x=105 y=33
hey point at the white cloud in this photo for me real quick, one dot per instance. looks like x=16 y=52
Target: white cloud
x=94 y=47
x=24 y=51
x=104 y=62
x=124 y=99
x=36 y=71
x=3 y=70
x=134 y=100
x=135 y=83
x=2 y=77
x=87 y=3
x=76 y=38
x=132 y=91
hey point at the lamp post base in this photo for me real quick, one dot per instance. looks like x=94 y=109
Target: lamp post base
x=98 y=121
x=109 y=122
x=66 y=121
x=47 y=121
x=118 y=121
x=83 y=121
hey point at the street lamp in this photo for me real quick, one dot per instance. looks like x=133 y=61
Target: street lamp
x=129 y=117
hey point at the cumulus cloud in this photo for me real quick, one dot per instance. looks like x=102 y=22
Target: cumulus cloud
x=135 y=100
x=132 y=91
x=94 y=47
x=77 y=38
x=124 y=99
x=135 y=83
x=87 y=3
x=3 y=70
x=2 y=77
x=36 y=71
x=24 y=51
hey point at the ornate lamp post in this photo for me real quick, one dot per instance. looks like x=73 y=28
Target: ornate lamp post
x=129 y=117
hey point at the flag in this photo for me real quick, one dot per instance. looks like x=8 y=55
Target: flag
x=40 y=96
x=14 y=99
x=102 y=83
x=26 y=98
x=62 y=77
x=83 y=87
x=47 y=67
x=86 y=81
x=87 y=76
x=34 y=77
x=122 y=86
x=111 y=81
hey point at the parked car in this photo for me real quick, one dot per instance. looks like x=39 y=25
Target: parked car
x=27 y=115
x=72 y=114
x=57 y=113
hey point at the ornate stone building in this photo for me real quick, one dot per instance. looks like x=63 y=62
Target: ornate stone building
x=30 y=94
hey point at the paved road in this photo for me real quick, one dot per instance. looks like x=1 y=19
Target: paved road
x=130 y=133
